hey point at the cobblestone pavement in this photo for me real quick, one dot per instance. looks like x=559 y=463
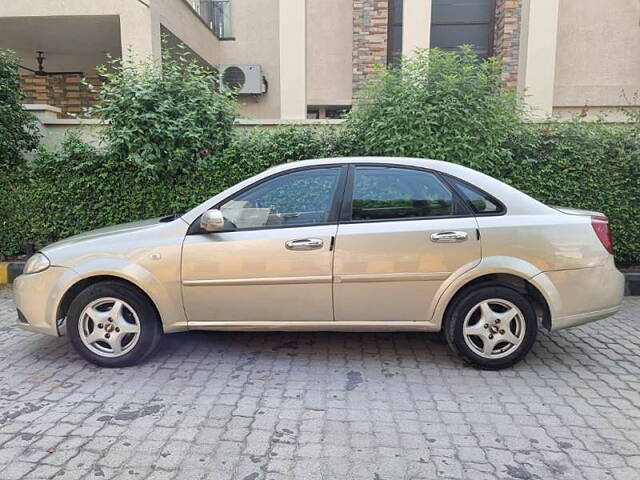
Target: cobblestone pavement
x=323 y=406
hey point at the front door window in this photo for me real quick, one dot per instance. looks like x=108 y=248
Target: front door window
x=384 y=193
x=295 y=199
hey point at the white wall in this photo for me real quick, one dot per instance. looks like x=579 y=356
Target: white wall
x=538 y=39
x=598 y=56
x=329 y=52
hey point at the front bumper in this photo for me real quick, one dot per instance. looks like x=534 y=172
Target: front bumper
x=37 y=297
x=584 y=295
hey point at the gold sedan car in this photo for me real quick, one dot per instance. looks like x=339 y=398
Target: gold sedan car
x=349 y=244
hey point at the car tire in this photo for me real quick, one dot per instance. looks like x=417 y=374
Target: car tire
x=112 y=324
x=491 y=327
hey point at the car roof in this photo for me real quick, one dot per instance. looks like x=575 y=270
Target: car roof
x=438 y=165
x=516 y=201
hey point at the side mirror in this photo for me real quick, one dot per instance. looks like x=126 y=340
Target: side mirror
x=212 y=221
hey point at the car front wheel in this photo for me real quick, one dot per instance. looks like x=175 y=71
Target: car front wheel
x=113 y=325
x=491 y=327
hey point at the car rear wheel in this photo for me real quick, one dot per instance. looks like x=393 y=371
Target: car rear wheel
x=113 y=325
x=491 y=327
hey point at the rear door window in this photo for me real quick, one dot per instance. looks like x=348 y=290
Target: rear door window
x=385 y=193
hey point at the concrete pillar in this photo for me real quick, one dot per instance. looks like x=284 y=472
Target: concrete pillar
x=293 y=64
x=538 y=40
x=416 y=25
x=140 y=33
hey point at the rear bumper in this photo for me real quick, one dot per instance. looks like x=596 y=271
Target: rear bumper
x=583 y=295
x=581 y=318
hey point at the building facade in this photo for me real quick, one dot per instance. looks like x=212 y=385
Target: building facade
x=307 y=59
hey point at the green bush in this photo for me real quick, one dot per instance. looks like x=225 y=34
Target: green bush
x=77 y=187
x=583 y=165
x=18 y=128
x=163 y=117
x=440 y=105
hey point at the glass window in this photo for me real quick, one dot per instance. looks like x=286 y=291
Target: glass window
x=221 y=18
x=394 y=33
x=463 y=22
x=480 y=201
x=298 y=198
x=461 y=11
x=450 y=37
x=216 y=14
x=389 y=192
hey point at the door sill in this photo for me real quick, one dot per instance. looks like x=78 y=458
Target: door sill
x=389 y=326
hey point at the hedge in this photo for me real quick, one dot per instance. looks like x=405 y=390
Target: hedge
x=441 y=105
x=78 y=188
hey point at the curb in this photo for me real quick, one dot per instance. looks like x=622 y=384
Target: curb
x=10 y=270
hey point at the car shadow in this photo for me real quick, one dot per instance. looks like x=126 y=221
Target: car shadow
x=551 y=350
x=300 y=344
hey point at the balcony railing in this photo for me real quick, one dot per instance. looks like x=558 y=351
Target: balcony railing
x=216 y=14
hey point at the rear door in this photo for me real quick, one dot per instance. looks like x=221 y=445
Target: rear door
x=402 y=233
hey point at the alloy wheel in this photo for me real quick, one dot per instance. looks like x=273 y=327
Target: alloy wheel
x=494 y=328
x=109 y=327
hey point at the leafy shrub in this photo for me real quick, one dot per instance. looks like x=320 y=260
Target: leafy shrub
x=77 y=187
x=161 y=118
x=470 y=121
x=443 y=105
x=18 y=128
x=252 y=151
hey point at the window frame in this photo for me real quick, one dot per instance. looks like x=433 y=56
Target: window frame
x=342 y=202
x=492 y=28
x=461 y=207
x=450 y=179
x=390 y=26
x=336 y=201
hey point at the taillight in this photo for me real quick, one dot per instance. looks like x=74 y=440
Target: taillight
x=603 y=231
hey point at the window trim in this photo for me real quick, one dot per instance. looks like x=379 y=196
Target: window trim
x=336 y=201
x=450 y=179
x=341 y=207
x=390 y=25
x=460 y=205
x=492 y=28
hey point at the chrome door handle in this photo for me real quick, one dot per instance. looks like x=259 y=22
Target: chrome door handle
x=448 y=237
x=304 y=244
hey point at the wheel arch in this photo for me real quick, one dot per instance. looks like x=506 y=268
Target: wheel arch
x=72 y=292
x=518 y=283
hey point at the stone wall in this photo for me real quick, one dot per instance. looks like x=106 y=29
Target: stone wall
x=370 y=19
x=506 y=44
x=65 y=91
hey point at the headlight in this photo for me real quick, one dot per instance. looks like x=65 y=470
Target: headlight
x=36 y=263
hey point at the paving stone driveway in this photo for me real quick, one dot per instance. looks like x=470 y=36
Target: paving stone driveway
x=327 y=406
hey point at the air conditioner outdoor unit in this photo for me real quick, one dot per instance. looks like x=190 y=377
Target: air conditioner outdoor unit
x=244 y=79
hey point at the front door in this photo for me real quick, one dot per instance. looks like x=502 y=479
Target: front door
x=273 y=261
x=402 y=233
